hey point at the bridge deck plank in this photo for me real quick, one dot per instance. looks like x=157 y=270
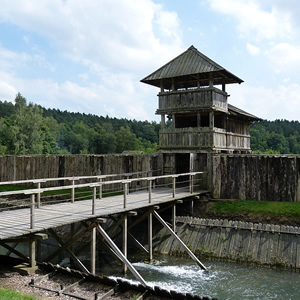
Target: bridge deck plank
x=17 y=222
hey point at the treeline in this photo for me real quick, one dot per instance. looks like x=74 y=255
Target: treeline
x=31 y=129
x=27 y=128
x=275 y=137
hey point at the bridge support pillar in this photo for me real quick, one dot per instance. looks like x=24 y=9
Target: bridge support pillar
x=32 y=253
x=150 y=236
x=174 y=217
x=93 y=250
x=125 y=228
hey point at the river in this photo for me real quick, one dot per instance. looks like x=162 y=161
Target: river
x=222 y=280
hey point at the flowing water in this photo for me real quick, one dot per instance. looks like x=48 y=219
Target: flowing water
x=222 y=280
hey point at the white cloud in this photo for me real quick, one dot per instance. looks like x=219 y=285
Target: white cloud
x=7 y=91
x=253 y=50
x=281 y=102
x=127 y=35
x=254 y=21
x=284 y=58
x=129 y=100
x=10 y=59
x=110 y=43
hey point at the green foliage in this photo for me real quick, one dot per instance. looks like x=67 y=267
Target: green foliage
x=289 y=209
x=275 y=137
x=32 y=129
x=12 y=295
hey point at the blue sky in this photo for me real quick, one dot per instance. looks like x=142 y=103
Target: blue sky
x=89 y=56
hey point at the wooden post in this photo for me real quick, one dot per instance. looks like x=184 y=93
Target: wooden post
x=38 y=195
x=72 y=236
x=125 y=194
x=125 y=241
x=73 y=192
x=211 y=120
x=223 y=87
x=93 y=250
x=191 y=254
x=174 y=186
x=173 y=84
x=120 y=255
x=32 y=253
x=94 y=200
x=150 y=233
x=128 y=186
x=150 y=190
x=211 y=79
x=198 y=119
x=163 y=121
x=32 y=211
x=174 y=217
x=100 y=188
x=162 y=89
x=191 y=184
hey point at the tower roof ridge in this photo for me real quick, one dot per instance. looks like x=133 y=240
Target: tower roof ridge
x=188 y=68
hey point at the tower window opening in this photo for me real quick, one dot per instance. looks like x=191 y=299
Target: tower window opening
x=183 y=121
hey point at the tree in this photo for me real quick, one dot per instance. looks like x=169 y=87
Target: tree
x=28 y=121
x=126 y=140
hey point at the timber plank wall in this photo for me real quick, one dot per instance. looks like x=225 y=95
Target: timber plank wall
x=263 y=244
x=14 y=167
x=245 y=177
x=256 y=177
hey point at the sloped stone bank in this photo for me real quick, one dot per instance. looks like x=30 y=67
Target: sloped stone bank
x=264 y=244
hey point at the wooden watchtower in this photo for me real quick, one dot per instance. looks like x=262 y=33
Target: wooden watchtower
x=196 y=118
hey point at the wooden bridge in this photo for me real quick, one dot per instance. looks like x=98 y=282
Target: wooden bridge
x=30 y=214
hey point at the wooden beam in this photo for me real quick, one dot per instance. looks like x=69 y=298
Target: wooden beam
x=120 y=254
x=32 y=253
x=190 y=253
x=125 y=241
x=150 y=236
x=174 y=217
x=14 y=251
x=69 y=242
x=74 y=257
x=93 y=250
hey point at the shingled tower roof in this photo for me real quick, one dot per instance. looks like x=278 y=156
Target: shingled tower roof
x=190 y=69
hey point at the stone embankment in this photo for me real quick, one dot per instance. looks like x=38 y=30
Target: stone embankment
x=263 y=244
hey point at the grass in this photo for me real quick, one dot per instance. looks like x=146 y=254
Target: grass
x=12 y=187
x=12 y=295
x=79 y=192
x=288 y=209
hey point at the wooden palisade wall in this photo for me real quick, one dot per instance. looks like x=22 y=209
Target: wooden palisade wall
x=256 y=177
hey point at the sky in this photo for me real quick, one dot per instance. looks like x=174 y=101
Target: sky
x=89 y=56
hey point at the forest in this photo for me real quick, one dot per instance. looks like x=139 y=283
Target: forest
x=27 y=128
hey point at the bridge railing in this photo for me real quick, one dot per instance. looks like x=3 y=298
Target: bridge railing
x=165 y=183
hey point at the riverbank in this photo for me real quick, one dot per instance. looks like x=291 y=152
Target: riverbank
x=277 y=213
x=227 y=240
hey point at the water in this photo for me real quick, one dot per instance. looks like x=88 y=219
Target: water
x=222 y=280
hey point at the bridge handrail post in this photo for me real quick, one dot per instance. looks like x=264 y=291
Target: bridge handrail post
x=32 y=211
x=73 y=191
x=150 y=190
x=127 y=185
x=191 y=183
x=94 y=199
x=100 y=188
x=125 y=194
x=174 y=186
x=39 y=195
